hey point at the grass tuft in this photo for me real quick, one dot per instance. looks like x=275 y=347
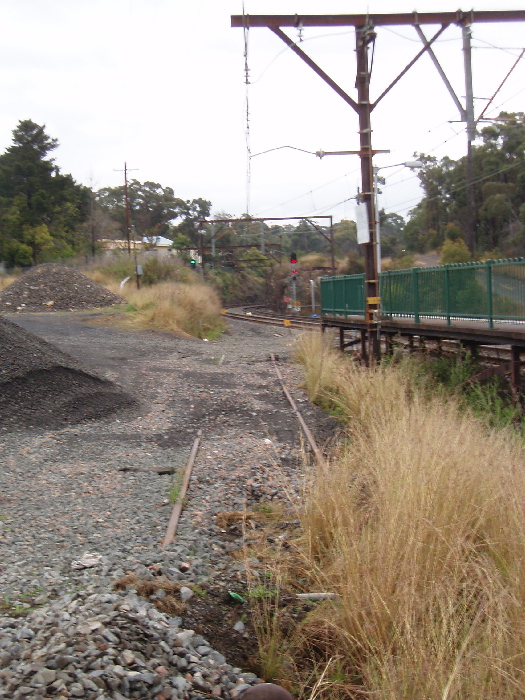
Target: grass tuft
x=418 y=526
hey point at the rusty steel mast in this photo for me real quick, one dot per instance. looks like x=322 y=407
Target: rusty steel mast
x=365 y=35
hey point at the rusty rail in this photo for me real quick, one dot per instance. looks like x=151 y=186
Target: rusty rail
x=317 y=452
x=177 y=507
x=273 y=320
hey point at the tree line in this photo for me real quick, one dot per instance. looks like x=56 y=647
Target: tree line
x=46 y=215
x=440 y=218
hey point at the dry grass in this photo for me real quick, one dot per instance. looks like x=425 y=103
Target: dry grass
x=419 y=526
x=170 y=604
x=6 y=280
x=105 y=280
x=193 y=309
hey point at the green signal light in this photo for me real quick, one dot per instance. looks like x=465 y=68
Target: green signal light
x=193 y=263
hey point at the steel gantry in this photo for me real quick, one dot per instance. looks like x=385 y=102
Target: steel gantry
x=364 y=25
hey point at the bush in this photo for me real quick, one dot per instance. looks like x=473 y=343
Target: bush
x=454 y=252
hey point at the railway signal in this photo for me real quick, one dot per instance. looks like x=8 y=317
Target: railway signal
x=193 y=263
x=293 y=263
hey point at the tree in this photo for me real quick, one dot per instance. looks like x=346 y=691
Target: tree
x=345 y=237
x=40 y=208
x=154 y=209
x=392 y=227
x=499 y=192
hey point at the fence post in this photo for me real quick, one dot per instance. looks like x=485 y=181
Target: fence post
x=447 y=294
x=490 y=310
x=415 y=288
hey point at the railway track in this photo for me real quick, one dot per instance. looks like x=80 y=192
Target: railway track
x=257 y=314
x=496 y=358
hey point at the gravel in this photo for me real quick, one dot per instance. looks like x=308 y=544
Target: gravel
x=94 y=488
x=40 y=386
x=54 y=287
x=108 y=645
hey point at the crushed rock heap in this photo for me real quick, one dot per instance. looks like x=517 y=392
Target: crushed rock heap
x=110 y=646
x=41 y=386
x=54 y=287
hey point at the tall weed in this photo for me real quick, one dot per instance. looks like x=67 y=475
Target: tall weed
x=419 y=527
x=193 y=309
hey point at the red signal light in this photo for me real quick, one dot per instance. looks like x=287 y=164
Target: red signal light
x=293 y=257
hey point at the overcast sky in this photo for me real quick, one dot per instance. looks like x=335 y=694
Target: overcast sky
x=160 y=84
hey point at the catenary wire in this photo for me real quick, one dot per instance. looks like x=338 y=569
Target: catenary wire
x=305 y=194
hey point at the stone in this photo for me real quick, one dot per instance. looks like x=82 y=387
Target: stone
x=185 y=593
x=47 y=675
x=128 y=657
x=76 y=690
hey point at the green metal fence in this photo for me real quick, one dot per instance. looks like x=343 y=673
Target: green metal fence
x=493 y=291
x=343 y=295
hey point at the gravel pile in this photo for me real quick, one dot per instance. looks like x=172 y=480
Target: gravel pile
x=102 y=646
x=42 y=386
x=53 y=287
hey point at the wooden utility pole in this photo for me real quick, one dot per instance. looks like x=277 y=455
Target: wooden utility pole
x=126 y=206
x=364 y=26
x=126 y=201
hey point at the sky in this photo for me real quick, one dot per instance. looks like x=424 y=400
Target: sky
x=160 y=85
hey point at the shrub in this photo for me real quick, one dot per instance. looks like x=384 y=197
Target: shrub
x=454 y=252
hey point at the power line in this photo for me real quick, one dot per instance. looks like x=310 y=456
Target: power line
x=506 y=49
x=417 y=41
x=458 y=188
x=305 y=194
x=287 y=48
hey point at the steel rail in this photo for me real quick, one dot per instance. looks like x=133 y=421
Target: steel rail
x=273 y=320
x=309 y=436
x=177 y=508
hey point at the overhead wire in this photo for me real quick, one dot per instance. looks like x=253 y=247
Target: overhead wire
x=505 y=49
x=305 y=194
x=463 y=186
x=287 y=48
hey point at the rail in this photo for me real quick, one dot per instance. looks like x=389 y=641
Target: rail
x=272 y=320
x=490 y=291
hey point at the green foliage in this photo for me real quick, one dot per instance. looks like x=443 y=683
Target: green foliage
x=403 y=262
x=454 y=252
x=160 y=269
x=353 y=264
x=499 y=193
x=40 y=208
x=345 y=237
x=120 y=267
x=489 y=399
x=176 y=486
x=237 y=287
x=152 y=207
